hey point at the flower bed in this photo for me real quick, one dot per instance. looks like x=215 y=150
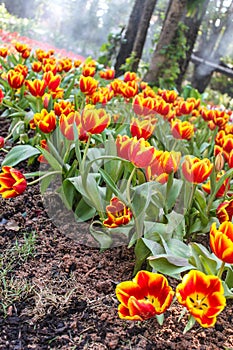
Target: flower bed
x=144 y=167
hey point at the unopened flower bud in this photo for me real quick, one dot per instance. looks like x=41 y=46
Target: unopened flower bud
x=2 y=142
x=219 y=162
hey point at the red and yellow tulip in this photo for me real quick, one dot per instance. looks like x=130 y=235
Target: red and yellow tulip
x=141 y=153
x=221 y=241
x=46 y=121
x=142 y=127
x=12 y=182
x=182 y=130
x=147 y=295
x=203 y=297
x=15 y=79
x=225 y=186
x=36 y=87
x=88 y=85
x=196 y=170
x=67 y=122
x=118 y=214
x=224 y=211
x=94 y=120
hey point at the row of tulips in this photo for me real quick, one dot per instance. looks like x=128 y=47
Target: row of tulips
x=141 y=163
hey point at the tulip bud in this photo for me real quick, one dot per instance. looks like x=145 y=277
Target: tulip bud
x=219 y=162
x=2 y=142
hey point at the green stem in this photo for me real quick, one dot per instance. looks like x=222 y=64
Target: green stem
x=14 y=128
x=128 y=186
x=220 y=271
x=42 y=177
x=82 y=165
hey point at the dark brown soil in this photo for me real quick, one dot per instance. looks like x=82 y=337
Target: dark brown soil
x=59 y=294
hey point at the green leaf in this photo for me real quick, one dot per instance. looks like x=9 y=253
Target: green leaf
x=169 y=265
x=203 y=260
x=141 y=253
x=51 y=159
x=69 y=89
x=190 y=324
x=18 y=154
x=101 y=237
x=45 y=182
x=160 y=319
x=83 y=212
x=174 y=193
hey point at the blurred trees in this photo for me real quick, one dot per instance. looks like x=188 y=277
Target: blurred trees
x=166 y=32
x=215 y=41
x=135 y=35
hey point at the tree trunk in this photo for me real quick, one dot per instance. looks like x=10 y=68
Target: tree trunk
x=130 y=35
x=193 y=23
x=173 y=16
x=142 y=32
x=222 y=35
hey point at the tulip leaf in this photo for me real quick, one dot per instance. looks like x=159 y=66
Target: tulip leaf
x=160 y=319
x=104 y=239
x=191 y=322
x=83 y=212
x=50 y=158
x=229 y=277
x=169 y=265
x=142 y=251
x=18 y=154
x=203 y=260
x=173 y=195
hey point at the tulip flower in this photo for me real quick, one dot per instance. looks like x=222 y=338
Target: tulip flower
x=184 y=108
x=12 y=182
x=123 y=143
x=118 y=214
x=142 y=128
x=88 y=71
x=141 y=153
x=20 y=47
x=15 y=79
x=36 y=87
x=20 y=68
x=36 y=66
x=63 y=107
x=225 y=186
x=143 y=105
x=169 y=162
x=162 y=107
x=41 y=158
x=225 y=211
x=108 y=74
x=230 y=159
x=221 y=241
x=129 y=89
x=202 y=295
x=147 y=295
x=93 y=120
x=169 y=96
x=2 y=142
x=3 y=52
x=66 y=123
x=1 y=95
x=182 y=130
x=46 y=121
x=130 y=76
x=52 y=81
x=196 y=170
x=88 y=85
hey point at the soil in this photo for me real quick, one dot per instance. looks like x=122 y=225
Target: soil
x=57 y=293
